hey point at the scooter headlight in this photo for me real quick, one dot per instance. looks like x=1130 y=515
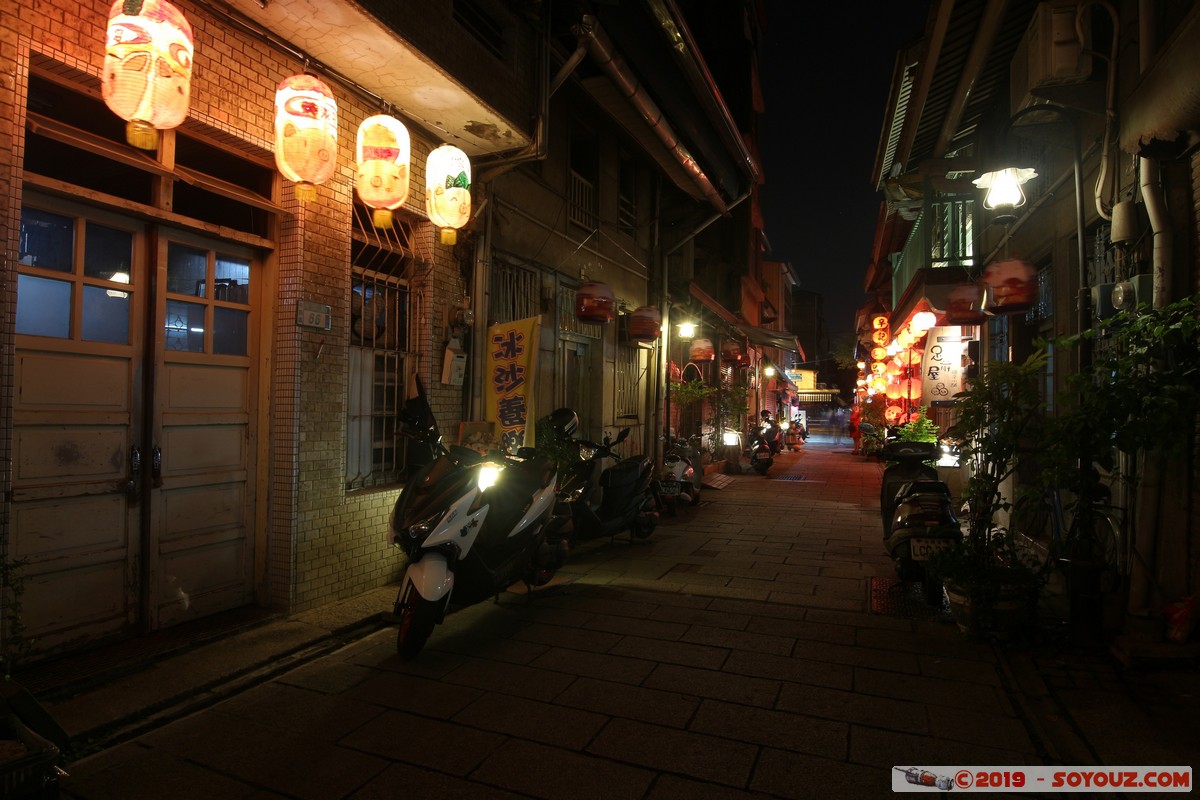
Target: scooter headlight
x=489 y=473
x=586 y=453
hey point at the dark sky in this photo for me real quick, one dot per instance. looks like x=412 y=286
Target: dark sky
x=826 y=72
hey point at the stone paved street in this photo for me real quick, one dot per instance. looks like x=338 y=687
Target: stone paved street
x=734 y=653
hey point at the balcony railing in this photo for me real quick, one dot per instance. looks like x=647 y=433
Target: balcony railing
x=942 y=237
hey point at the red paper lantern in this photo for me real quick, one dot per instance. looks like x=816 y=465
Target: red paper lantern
x=702 y=350
x=594 y=302
x=731 y=352
x=147 y=74
x=645 y=324
x=305 y=133
x=964 y=306
x=1011 y=286
x=892 y=413
x=382 y=154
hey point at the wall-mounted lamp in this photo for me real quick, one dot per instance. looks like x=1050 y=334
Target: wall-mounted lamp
x=687 y=330
x=1004 y=187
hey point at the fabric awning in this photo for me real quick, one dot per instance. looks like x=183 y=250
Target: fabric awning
x=766 y=337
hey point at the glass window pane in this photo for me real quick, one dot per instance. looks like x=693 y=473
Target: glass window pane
x=184 y=327
x=43 y=307
x=107 y=253
x=233 y=279
x=187 y=269
x=105 y=315
x=47 y=240
x=229 y=331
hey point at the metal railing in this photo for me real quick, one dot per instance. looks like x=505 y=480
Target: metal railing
x=942 y=237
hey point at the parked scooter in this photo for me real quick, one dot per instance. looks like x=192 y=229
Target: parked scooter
x=758 y=451
x=471 y=526
x=595 y=500
x=772 y=433
x=917 y=512
x=682 y=474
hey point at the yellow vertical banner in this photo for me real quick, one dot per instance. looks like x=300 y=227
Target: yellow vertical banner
x=510 y=366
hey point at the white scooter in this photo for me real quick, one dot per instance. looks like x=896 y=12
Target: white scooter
x=682 y=474
x=471 y=526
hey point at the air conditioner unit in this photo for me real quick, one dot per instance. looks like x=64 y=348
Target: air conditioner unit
x=1137 y=291
x=1050 y=65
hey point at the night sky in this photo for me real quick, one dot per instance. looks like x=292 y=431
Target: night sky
x=826 y=72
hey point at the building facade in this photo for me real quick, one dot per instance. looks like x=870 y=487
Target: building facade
x=202 y=370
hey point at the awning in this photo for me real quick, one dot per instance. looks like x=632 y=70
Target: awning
x=766 y=337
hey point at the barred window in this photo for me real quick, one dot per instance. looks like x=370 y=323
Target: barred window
x=628 y=380
x=379 y=313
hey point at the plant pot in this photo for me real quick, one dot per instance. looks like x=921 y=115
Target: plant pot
x=998 y=609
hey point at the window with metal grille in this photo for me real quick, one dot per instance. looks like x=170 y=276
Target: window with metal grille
x=378 y=339
x=482 y=26
x=568 y=322
x=513 y=293
x=627 y=196
x=628 y=380
x=583 y=192
x=1043 y=307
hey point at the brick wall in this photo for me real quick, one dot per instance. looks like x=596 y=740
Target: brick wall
x=318 y=543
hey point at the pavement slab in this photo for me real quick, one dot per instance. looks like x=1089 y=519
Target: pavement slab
x=736 y=653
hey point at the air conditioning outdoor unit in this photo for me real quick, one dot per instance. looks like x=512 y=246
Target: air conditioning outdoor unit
x=1050 y=65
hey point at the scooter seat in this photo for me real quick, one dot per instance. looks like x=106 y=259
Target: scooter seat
x=622 y=474
x=913 y=488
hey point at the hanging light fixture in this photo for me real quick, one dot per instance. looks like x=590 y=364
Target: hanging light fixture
x=687 y=330
x=448 y=191
x=1004 y=187
x=923 y=321
x=305 y=133
x=147 y=68
x=382 y=154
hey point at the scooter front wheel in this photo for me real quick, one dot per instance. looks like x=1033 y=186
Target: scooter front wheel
x=418 y=617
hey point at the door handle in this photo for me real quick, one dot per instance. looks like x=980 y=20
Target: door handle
x=156 y=467
x=133 y=486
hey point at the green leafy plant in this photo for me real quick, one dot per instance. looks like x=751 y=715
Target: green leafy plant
x=922 y=429
x=1000 y=414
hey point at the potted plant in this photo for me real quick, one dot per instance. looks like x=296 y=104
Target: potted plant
x=993 y=584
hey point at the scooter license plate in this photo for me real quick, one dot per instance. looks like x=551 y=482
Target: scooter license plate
x=922 y=549
x=669 y=489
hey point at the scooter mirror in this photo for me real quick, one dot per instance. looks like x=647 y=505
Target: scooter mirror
x=622 y=436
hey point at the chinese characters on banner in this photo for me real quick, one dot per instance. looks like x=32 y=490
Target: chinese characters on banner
x=509 y=366
x=943 y=368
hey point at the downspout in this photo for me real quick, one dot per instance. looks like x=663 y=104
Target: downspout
x=601 y=47
x=539 y=146
x=1150 y=181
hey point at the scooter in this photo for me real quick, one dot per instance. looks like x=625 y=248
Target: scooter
x=596 y=500
x=917 y=512
x=772 y=433
x=471 y=527
x=758 y=451
x=682 y=475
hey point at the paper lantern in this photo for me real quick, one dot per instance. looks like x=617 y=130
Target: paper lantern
x=448 y=191
x=878 y=353
x=905 y=338
x=147 y=68
x=881 y=337
x=894 y=391
x=892 y=413
x=382 y=154
x=879 y=322
x=305 y=133
x=645 y=324
x=1011 y=287
x=964 y=305
x=594 y=302
x=674 y=373
x=702 y=350
x=731 y=352
x=922 y=321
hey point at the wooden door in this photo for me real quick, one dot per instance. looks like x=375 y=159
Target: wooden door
x=133 y=406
